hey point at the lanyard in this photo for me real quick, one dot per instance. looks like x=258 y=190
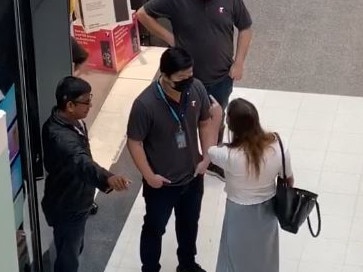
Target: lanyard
x=175 y=115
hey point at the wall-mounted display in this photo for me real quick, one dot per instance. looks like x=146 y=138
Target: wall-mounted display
x=8 y=104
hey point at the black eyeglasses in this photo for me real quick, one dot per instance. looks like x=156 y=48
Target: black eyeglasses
x=87 y=102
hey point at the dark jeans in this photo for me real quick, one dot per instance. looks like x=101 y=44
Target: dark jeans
x=221 y=92
x=186 y=201
x=68 y=240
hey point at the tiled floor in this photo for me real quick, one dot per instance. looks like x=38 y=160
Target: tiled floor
x=324 y=133
x=327 y=158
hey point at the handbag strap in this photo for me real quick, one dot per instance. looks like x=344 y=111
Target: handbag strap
x=319 y=222
x=282 y=155
x=284 y=177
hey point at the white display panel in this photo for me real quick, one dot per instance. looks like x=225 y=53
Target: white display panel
x=96 y=14
x=8 y=250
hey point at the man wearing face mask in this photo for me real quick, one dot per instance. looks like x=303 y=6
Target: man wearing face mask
x=205 y=28
x=163 y=141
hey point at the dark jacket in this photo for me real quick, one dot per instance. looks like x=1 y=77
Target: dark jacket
x=72 y=173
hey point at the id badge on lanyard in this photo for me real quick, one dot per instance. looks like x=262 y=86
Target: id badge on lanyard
x=180 y=138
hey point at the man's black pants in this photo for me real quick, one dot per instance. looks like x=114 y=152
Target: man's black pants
x=68 y=239
x=186 y=201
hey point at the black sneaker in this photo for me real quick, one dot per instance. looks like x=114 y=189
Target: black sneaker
x=94 y=208
x=194 y=268
x=216 y=171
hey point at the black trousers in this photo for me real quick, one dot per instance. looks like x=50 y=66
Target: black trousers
x=68 y=239
x=186 y=201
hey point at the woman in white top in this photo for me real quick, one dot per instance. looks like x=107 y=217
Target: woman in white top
x=251 y=161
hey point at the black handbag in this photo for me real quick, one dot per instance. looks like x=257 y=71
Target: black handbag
x=293 y=205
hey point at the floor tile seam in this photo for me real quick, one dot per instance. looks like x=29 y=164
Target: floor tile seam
x=331 y=192
x=358 y=195
x=327 y=240
x=341 y=173
x=341 y=194
x=323 y=161
x=321 y=169
x=360 y=189
x=350 y=229
x=344 y=153
x=347 y=133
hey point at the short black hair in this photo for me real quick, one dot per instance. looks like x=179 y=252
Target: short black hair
x=174 y=60
x=69 y=89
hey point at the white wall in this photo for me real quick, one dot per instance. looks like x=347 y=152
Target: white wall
x=8 y=248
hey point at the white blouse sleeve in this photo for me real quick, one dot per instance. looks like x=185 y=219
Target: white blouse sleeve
x=218 y=155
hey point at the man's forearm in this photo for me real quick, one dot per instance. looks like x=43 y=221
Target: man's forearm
x=155 y=27
x=208 y=134
x=139 y=157
x=205 y=141
x=243 y=44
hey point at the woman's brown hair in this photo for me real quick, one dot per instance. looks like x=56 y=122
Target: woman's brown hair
x=247 y=134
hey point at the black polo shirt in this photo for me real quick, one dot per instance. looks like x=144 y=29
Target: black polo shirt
x=151 y=122
x=205 y=29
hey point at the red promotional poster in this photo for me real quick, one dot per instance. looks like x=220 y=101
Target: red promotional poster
x=110 y=49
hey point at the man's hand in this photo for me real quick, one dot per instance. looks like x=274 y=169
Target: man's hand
x=118 y=183
x=201 y=167
x=215 y=109
x=236 y=71
x=156 y=181
x=170 y=39
x=155 y=27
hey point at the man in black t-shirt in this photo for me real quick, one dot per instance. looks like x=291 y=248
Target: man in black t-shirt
x=205 y=28
x=162 y=136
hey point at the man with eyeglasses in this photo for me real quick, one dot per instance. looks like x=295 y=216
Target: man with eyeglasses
x=72 y=173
